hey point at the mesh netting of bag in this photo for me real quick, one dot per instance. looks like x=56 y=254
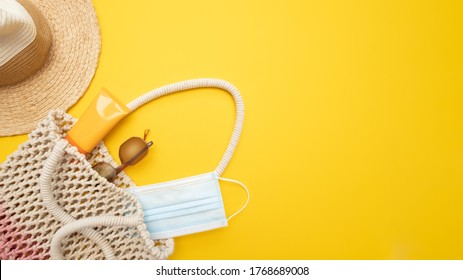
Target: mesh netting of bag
x=27 y=227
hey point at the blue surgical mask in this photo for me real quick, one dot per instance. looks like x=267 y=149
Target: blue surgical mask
x=184 y=206
x=192 y=204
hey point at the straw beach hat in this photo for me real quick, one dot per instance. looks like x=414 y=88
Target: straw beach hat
x=48 y=55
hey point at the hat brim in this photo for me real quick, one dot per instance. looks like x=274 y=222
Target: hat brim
x=67 y=72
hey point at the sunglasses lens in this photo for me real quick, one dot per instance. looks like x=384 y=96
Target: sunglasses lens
x=105 y=170
x=133 y=150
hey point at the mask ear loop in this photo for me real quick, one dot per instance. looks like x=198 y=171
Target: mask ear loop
x=247 y=192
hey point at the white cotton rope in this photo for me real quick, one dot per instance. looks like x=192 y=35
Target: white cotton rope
x=49 y=202
x=202 y=83
x=85 y=225
x=82 y=225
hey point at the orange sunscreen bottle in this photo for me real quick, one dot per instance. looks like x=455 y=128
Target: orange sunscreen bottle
x=100 y=117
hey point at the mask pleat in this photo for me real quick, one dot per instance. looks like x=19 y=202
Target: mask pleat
x=182 y=209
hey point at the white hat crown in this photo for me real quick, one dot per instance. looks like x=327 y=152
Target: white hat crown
x=17 y=29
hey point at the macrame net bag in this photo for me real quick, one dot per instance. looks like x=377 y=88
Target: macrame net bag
x=68 y=210
x=53 y=204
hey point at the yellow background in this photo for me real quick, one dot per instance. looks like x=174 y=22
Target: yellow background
x=352 y=146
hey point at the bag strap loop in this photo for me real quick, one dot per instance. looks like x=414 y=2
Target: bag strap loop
x=202 y=83
x=84 y=226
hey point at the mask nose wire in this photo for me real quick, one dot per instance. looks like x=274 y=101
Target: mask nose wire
x=247 y=192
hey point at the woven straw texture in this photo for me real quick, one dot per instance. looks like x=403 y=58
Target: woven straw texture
x=26 y=226
x=65 y=75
